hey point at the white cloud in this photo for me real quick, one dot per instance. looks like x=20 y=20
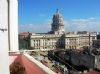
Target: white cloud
x=90 y=24
x=34 y=27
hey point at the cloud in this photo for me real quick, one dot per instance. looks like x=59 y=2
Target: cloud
x=45 y=27
x=89 y=24
x=82 y=20
x=36 y=28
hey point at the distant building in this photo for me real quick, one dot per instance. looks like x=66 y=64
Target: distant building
x=96 y=43
x=23 y=35
x=24 y=40
x=58 y=38
x=85 y=59
x=82 y=59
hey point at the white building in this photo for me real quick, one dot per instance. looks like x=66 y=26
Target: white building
x=57 y=38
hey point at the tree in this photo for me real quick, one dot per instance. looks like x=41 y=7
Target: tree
x=17 y=68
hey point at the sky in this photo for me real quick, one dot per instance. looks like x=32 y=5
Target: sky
x=79 y=15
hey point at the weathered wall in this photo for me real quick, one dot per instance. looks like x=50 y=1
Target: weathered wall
x=4 y=65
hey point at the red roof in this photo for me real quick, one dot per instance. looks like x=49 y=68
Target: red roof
x=24 y=33
x=30 y=67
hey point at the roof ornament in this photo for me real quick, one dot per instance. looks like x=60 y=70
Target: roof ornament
x=57 y=10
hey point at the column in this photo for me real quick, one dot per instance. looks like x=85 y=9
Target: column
x=13 y=25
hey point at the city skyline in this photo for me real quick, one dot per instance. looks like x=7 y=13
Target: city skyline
x=78 y=15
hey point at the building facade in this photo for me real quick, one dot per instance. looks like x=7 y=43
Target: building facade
x=58 y=38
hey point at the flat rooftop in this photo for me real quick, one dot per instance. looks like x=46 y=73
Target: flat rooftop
x=30 y=67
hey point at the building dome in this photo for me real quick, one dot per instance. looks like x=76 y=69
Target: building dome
x=57 y=23
x=57 y=17
x=57 y=14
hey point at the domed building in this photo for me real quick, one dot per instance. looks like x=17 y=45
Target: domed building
x=57 y=24
x=57 y=38
x=10 y=54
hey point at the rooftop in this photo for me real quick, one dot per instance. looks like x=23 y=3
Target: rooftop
x=30 y=67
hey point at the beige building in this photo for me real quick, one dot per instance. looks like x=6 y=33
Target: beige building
x=57 y=38
x=79 y=40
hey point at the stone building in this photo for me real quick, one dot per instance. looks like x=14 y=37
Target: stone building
x=58 y=38
x=85 y=59
x=96 y=43
x=79 y=40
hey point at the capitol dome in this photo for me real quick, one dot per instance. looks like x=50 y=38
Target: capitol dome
x=58 y=16
x=57 y=25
